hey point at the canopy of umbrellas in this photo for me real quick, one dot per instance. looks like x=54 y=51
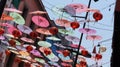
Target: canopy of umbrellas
x=24 y=46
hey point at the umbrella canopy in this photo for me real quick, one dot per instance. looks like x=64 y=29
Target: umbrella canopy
x=6 y=17
x=40 y=21
x=72 y=38
x=53 y=38
x=87 y=31
x=43 y=31
x=44 y=44
x=24 y=29
x=18 y=19
x=12 y=10
x=63 y=22
x=94 y=37
x=38 y=12
x=25 y=39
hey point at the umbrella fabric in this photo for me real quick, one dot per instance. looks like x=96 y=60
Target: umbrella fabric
x=18 y=19
x=24 y=29
x=94 y=37
x=64 y=31
x=75 y=8
x=65 y=59
x=63 y=22
x=40 y=21
x=12 y=10
x=53 y=38
x=27 y=40
x=24 y=53
x=87 y=31
x=25 y=45
x=14 y=51
x=38 y=12
x=76 y=46
x=44 y=44
x=2 y=37
x=72 y=38
x=36 y=53
x=43 y=31
x=6 y=17
x=51 y=56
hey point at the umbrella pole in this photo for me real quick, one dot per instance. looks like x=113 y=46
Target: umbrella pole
x=75 y=62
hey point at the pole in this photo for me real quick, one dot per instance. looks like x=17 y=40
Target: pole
x=2 y=5
x=75 y=62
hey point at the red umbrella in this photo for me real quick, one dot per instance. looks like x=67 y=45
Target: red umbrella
x=40 y=21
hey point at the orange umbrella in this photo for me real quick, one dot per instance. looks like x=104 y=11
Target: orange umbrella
x=6 y=17
x=43 y=31
x=63 y=22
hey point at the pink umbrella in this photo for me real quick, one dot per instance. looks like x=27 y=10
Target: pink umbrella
x=12 y=10
x=27 y=40
x=76 y=46
x=24 y=29
x=2 y=37
x=40 y=21
x=94 y=37
x=43 y=31
x=63 y=22
x=66 y=65
x=75 y=8
x=87 y=31
x=72 y=38
x=36 y=53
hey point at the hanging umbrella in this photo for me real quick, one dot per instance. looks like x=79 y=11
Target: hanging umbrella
x=36 y=53
x=51 y=56
x=63 y=22
x=66 y=64
x=38 y=12
x=40 y=60
x=6 y=17
x=12 y=10
x=24 y=53
x=25 y=39
x=2 y=37
x=76 y=46
x=94 y=37
x=53 y=38
x=24 y=29
x=40 y=21
x=87 y=31
x=25 y=45
x=14 y=51
x=72 y=38
x=43 y=31
x=44 y=44
x=64 y=31
x=75 y=8
x=18 y=19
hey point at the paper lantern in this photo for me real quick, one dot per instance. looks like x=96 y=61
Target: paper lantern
x=74 y=25
x=53 y=30
x=97 y=16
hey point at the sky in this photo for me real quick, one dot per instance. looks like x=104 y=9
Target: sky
x=103 y=27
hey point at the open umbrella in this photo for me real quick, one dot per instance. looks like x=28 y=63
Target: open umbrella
x=24 y=29
x=12 y=10
x=44 y=44
x=53 y=38
x=72 y=38
x=18 y=19
x=38 y=12
x=75 y=8
x=36 y=53
x=25 y=39
x=64 y=31
x=43 y=31
x=40 y=21
x=87 y=31
x=63 y=22
x=6 y=17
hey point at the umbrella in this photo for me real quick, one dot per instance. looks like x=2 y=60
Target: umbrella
x=18 y=19
x=38 y=12
x=51 y=56
x=24 y=29
x=2 y=37
x=25 y=45
x=72 y=38
x=94 y=37
x=36 y=53
x=53 y=38
x=76 y=46
x=44 y=44
x=27 y=39
x=43 y=31
x=75 y=8
x=65 y=59
x=87 y=31
x=19 y=47
x=24 y=53
x=40 y=21
x=64 y=31
x=12 y=10
x=66 y=64
x=14 y=51
x=6 y=17
x=40 y=60
x=63 y=22
x=59 y=11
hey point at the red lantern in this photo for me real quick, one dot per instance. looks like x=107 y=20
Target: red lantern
x=84 y=52
x=66 y=53
x=97 y=16
x=83 y=63
x=75 y=25
x=27 y=65
x=7 y=52
x=47 y=52
x=16 y=33
x=33 y=34
x=98 y=56
x=29 y=48
x=12 y=42
x=53 y=30
x=17 y=60
x=1 y=31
